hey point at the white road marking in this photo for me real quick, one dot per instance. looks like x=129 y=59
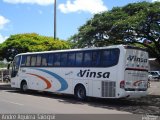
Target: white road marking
x=7 y=101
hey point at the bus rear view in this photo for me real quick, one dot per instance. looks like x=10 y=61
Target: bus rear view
x=135 y=81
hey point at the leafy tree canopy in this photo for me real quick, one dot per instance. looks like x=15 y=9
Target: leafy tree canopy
x=3 y=64
x=29 y=42
x=136 y=23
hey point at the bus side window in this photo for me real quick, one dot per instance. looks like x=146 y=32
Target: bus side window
x=71 y=59
x=50 y=59
x=64 y=59
x=24 y=60
x=114 y=56
x=79 y=58
x=106 y=58
x=39 y=60
x=33 y=60
x=87 y=58
x=44 y=59
x=110 y=57
x=28 y=60
x=96 y=58
x=56 y=62
x=16 y=64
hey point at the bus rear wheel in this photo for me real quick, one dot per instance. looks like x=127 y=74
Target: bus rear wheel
x=80 y=92
x=24 y=86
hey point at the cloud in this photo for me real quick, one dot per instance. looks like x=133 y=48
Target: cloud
x=155 y=0
x=3 y=22
x=38 y=2
x=91 y=6
x=2 y=38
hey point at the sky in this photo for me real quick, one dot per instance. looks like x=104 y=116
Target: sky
x=36 y=16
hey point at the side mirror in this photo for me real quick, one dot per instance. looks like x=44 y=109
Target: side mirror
x=8 y=67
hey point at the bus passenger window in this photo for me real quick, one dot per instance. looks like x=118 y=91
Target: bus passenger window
x=33 y=60
x=39 y=59
x=24 y=60
x=96 y=58
x=87 y=59
x=79 y=59
x=64 y=59
x=50 y=59
x=106 y=58
x=18 y=62
x=44 y=59
x=114 y=56
x=110 y=57
x=28 y=60
x=56 y=60
x=71 y=59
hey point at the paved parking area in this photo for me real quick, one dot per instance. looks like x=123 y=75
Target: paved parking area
x=154 y=88
x=13 y=100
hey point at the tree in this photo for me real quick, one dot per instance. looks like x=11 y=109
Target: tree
x=131 y=24
x=30 y=42
x=3 y=64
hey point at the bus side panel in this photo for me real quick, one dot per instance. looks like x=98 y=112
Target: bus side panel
x=47 y=79
x=62 y=78
x=92 y=78
x=96 y=88
x=97 y=79
x=15 y=82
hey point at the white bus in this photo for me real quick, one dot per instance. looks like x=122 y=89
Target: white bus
x=106 y=72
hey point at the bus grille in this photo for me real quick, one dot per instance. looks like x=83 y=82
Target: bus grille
x=108 y=89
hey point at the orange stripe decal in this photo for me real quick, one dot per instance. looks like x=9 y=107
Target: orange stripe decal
x=44 y=79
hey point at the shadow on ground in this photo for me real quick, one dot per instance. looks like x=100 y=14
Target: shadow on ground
x=145 y=105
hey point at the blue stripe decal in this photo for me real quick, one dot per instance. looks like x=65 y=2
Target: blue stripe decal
x=64 y=84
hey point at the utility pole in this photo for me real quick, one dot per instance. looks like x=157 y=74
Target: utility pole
x=55 y=12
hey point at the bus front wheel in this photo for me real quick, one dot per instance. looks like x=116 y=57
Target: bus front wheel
x=80 y=92
x=24 y=86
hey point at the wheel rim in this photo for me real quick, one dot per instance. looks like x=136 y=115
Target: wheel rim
x=81 y=93
x=25 y=87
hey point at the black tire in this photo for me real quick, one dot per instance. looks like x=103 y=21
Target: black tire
x=24 y=87
x=80 y=93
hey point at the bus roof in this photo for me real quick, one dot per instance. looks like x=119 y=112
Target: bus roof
x=70 y=50
x=83 y=49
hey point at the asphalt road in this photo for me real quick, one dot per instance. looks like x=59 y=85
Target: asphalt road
x=13 y=101
x=154 y=88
